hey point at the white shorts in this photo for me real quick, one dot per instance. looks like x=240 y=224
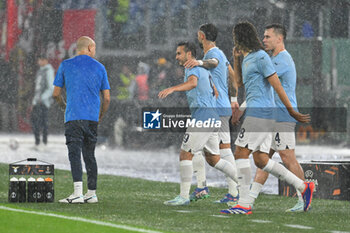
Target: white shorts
x=197 y=141
x=256 y=134
x=283 y=136
x=224 y=131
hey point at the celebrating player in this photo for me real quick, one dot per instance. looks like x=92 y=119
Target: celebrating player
x=200 y=93
x=216 y=62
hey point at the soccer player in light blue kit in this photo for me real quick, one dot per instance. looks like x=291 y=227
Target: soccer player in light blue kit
x=259 y=79
x=200 y=93
x=219 y=67
x=283 y=139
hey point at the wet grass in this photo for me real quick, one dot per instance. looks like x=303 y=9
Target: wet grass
x=139 y=203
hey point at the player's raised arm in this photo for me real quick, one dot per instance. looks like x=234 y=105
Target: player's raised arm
x=276 y=84
x=186 y=86
x=208 y=64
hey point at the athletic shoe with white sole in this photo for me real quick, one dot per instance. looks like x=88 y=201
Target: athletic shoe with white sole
x=90 y=199
x=177 y=201
x=299 y=207
x=237 y=209
x=199 y=193
x=73 y=199
x=228 y=198
x=307 y=194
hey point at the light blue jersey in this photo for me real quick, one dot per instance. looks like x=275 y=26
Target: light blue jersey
x=285 y=68
x=256 y=68
x=219 y=75
x=201 y=99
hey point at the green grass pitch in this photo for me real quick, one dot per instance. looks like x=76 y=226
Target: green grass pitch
x=138 y=204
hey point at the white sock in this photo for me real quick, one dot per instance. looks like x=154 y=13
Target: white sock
x=227 y=155
x=283 y=173
x=91 y=193
x=186 y=171
x=227 y=168
x=300 y=197
x=255 y=189
x=244 y=178
x=78 y=188
x=198 y=162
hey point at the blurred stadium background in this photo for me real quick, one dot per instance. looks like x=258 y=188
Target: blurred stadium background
x=136 y=41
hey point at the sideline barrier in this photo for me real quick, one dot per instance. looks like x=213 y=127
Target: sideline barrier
x=331 y=180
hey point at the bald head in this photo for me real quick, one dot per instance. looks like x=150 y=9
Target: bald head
x=86 y=46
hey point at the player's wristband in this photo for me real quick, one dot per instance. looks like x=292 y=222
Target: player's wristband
x=243 y=106
x=200 y=62
x=233 y=99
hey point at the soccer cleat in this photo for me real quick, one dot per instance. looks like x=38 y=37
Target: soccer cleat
x=90 y=199
x=299 y=207
x=307 y=194
x=199 y=193
x=178 y=201
x=229 y=199
x=237 y=209
x=72 y=199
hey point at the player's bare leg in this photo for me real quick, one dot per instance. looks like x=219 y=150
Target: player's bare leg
x=290 y=161
x=263 y=162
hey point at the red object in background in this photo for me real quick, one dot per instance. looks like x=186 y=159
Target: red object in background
x=77 y=23
x=12 y=26
x=16 y=10
x=142 y=86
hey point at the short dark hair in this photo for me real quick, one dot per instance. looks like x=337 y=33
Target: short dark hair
x=246 y=37
x=188 y=46
x=278 y=28
x=209 y=30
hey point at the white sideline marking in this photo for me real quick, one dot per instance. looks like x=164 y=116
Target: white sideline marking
x=183 y=211
x=219 y=216
x=80 y=220
x=260 y=221
x=298 y=226
x=339 y=232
